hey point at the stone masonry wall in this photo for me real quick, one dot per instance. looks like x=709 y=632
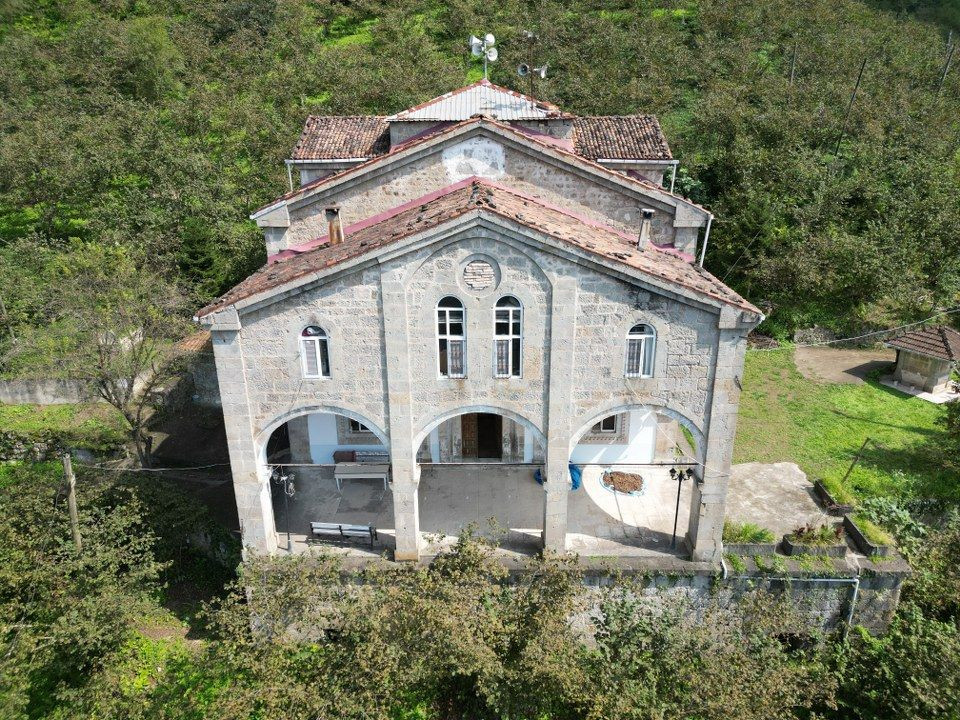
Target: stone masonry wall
x=348 y=309
x=487 y=158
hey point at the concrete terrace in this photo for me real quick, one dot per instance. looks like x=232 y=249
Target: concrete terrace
x=506 y=503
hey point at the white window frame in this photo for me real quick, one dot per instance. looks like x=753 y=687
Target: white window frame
x=647 y=340
x=515 y=315
x=442 y=314
x=598 y=428
x=317 y=346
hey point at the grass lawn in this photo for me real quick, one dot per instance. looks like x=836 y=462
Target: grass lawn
x=93 y=425
x=820 y=426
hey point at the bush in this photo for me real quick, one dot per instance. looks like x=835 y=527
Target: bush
x=911 y=673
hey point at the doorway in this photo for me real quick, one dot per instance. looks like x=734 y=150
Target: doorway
x=482 y=435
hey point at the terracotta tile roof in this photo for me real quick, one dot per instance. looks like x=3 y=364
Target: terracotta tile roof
x=471 y=195
x=630 y=137
x=197 y=342
x=936 y=341
x=328 y=137
x=436 y=132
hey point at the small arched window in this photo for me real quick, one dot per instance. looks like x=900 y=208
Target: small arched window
x=508 y=337
x=641 y=347
x=314 y=353
x=451 y=338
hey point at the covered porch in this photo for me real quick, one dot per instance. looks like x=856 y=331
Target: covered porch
x=500 y=501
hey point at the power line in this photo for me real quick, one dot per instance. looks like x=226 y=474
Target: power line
x=792 y=346
x=117 y=468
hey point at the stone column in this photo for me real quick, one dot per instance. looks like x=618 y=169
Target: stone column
x=405 y=472
x=563 y=328
x=251 y=483
x=708 y=499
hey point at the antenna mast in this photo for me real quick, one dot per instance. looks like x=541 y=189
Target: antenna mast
x=484 y=48
x=527 y=69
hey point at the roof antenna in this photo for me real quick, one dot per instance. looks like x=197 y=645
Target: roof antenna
x=485 y=48
x=527 y=69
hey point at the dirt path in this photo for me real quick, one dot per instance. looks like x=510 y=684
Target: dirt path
x=833 y=365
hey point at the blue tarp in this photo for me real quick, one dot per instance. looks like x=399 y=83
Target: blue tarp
x=576 y=476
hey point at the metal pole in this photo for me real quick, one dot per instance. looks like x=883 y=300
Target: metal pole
x=286 y=512
x=676 y=514
x=856 y=459
x=72 y=501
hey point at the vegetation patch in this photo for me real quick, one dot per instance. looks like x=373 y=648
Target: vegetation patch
x=817 y=535
x=745 y=533
x=786 y=417
x=98 y=427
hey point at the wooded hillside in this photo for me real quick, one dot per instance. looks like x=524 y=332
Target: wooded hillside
x=156 y=127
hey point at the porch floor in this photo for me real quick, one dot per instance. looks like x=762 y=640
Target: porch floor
x=501 y=501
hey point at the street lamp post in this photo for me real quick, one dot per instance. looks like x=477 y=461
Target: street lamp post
x=679 y=476
x=286 y=482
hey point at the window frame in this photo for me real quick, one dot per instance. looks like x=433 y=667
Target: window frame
x=510 y=337
x=360 y=427
x=319 y=347
x=598 y=429
x=444 y=312
x=648 y=351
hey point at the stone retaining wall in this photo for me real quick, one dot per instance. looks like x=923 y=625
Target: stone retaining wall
x=46 y=391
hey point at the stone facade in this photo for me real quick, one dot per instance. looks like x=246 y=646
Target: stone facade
x=931 y=374
x=379 y=315
x=380 y=323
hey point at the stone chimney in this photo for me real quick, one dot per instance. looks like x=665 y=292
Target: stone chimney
x=646 y=225
x=334 y=226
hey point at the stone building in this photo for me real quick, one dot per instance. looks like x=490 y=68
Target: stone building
x=482 y=278
x=926 y=357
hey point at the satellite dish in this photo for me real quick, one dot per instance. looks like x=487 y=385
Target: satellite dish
x=489 y=39
x=476 y=45
x=523 y=70
x=492 y=54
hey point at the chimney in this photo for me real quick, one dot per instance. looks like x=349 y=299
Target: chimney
x=334 y=227
x=645 y=225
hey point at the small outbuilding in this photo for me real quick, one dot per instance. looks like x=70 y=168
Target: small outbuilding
x=925 y=357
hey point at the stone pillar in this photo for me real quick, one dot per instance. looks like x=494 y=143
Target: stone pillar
x=405 y=472
x=563 y=328
x=251 y=482
x=708 y=498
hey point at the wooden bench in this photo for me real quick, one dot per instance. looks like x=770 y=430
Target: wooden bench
x=345 y=532
x=360 y=471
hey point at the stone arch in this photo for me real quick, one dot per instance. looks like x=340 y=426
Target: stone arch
x=436 y=420
x=585 y=422
x=263 y=436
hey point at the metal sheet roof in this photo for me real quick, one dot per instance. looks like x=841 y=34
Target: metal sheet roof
x=480 y=98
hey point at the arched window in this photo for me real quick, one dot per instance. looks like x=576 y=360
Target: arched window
x=508 y=337
x=451 y=338
x=314 y=353
x=641 y=347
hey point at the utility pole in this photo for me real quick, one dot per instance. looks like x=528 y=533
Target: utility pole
x=853 y=96
x=72 y=501
x=951 y=47
x=793 y=63
x=6 y=319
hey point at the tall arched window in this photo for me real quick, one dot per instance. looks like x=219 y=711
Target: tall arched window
x=314 y=353
x=641 y=347
x=451 y=338
x=508 y=337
